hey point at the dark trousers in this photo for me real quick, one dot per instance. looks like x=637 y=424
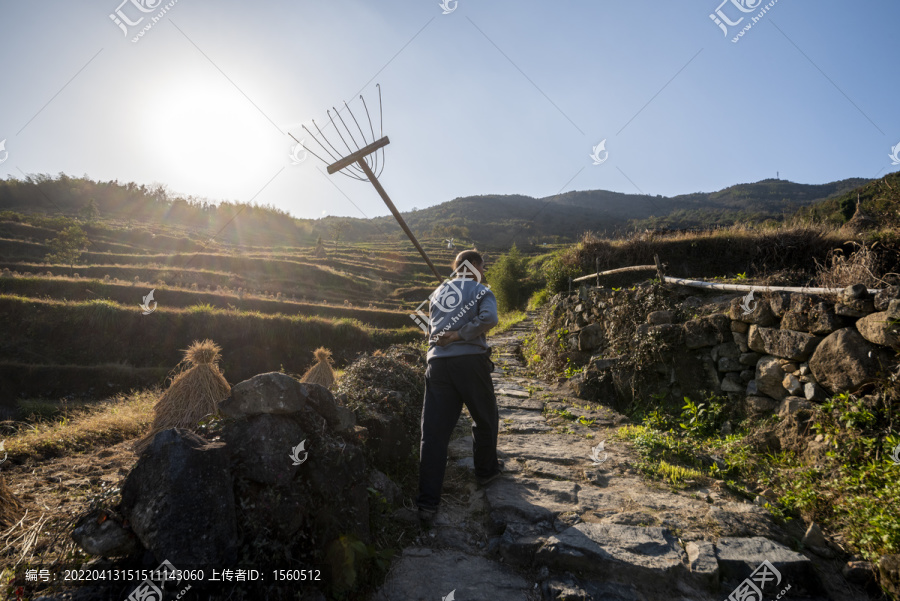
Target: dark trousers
x=449 y=383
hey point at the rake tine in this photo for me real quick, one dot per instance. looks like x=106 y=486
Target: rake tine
x=371 y=129
x=340 y=135
x=354 y=176
x=349 y=133
x=324 y=137
x=361 y=133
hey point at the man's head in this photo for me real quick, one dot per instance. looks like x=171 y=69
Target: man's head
x=473 y=257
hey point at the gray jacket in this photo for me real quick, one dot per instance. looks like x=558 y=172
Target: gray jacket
x=464 y=306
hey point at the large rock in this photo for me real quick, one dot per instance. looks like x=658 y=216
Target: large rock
x=273 y=392
x=845 y=360
x=179 y=500
x=590 y=337
x=707 y=331
x=738 y=558
x=261 y=446
x=101 y=532
x=881 y=328
x=387 y=439
x=615 y=552
x=760 y=315
x=769 y=378
x=823 y=321
x=787 y=344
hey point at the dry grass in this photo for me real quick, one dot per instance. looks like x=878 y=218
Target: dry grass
x=840 y=270
x=109 y=422
x=320 y=373
x=10 y=508
x=194 y=393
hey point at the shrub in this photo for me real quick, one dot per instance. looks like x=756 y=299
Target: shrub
x=508 y=280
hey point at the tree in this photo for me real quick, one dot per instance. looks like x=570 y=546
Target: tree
x=507 y=279
x=89 y=212
x=68 y=246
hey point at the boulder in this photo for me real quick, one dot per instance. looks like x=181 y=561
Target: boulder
x=660 y=317
x=794 y=320
x=261 y=446
x=387 y=440
x=738 y=558
x=788 y=344
x=792 y=405
x=854 y=292
x=881 y=328
x=779 y=303
x=615 y=551
x=749 y=358
x=727 y=350
x=703 y=564
x=101 y=532
x=179 y=500
x=740 y=327
x=760 y=315
x=590 y=337
x=792 y=384
x=845 y=360
x=726 y=364
x=884 y=296
x=823 y=321
x=732 y=383
x=706 y=331
x=813 y=392
x=387 y=487
x=759 y=405
x=273 y=392
x=741 y=340
x=889 y=574
x=769 y=377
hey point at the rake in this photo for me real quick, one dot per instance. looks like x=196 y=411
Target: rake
x=361 y=163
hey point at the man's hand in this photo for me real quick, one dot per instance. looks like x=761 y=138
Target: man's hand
x=446 y=338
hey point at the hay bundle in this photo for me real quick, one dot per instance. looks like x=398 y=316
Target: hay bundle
x=194 y=393
x=320 y=373
x=10 y=508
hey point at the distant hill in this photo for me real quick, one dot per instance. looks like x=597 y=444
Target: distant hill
x=879 y=199
x=492 y=221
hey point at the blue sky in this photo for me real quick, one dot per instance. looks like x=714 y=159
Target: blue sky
x=501 y=97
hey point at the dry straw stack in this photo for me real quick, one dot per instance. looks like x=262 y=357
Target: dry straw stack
x=194 y=393
x=320 y=373
x=10 y=508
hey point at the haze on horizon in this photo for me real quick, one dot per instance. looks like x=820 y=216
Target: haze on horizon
x=509 y=98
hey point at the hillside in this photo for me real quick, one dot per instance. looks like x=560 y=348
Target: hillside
x=491 y=221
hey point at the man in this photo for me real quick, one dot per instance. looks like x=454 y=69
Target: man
x=459 y=373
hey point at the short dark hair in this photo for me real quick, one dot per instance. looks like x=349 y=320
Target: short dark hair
x=472 y=256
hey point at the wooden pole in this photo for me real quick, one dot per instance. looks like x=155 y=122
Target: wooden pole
x=390 y=205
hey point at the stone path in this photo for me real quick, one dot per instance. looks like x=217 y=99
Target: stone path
x=558 y=526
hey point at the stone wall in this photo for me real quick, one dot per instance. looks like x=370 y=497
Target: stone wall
x=782 y=352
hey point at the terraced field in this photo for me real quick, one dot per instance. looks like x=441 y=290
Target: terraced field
x=79 y=331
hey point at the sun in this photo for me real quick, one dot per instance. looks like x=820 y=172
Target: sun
x=205 y=137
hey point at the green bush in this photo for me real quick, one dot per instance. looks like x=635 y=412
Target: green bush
x=508 y=279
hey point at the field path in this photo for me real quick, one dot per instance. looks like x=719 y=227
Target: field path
x=558 y=525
